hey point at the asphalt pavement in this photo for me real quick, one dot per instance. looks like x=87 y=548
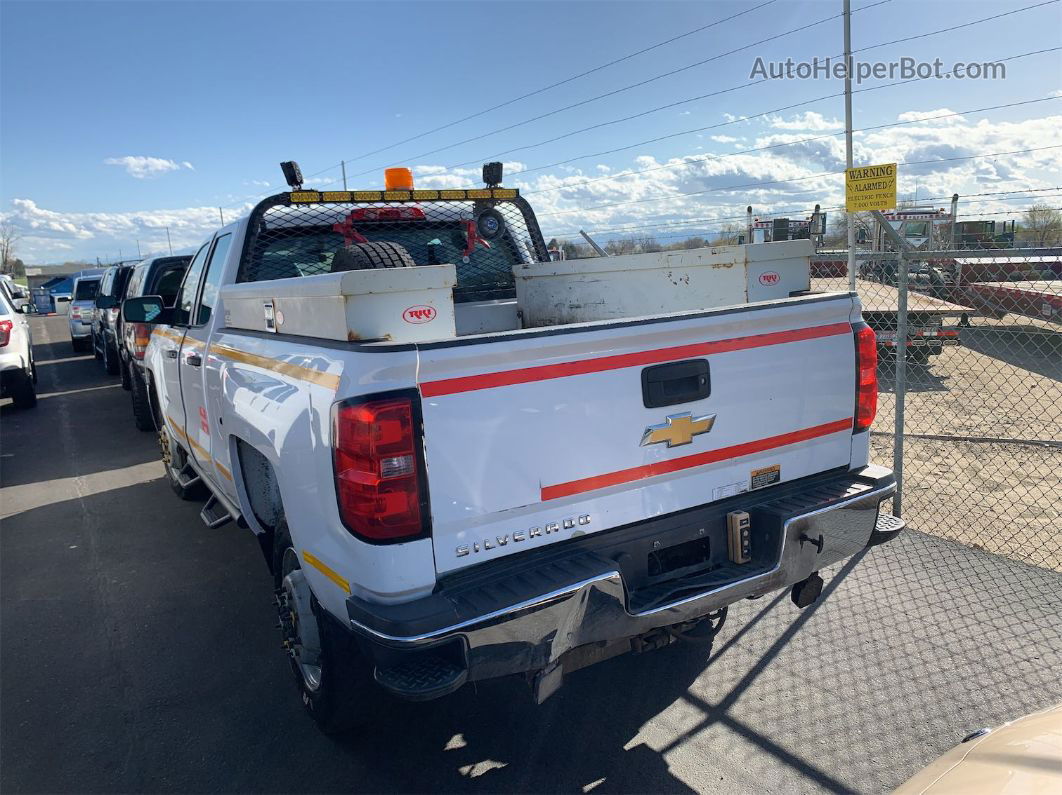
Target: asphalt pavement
x=138 y=654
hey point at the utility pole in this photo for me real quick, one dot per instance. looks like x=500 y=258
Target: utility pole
x=222 y=216
x=849 y=217
x=168 y=243
x=343 y=165
x=138 y=254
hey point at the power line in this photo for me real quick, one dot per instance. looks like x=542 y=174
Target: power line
x=559 y=83
x=715 y=93
x=706 y=158
x=755 y=82
x=765 y=113
x=630 y=86
x=794 y=179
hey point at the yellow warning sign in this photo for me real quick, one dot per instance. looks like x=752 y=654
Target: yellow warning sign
x=870 y=188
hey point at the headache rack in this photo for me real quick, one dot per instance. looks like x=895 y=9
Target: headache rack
x=484 y=232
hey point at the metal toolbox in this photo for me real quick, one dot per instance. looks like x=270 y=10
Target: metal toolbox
x=394 y=304
x=637 y=285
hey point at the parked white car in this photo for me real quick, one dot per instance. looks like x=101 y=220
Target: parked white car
x=18 y=373
x=460 y=463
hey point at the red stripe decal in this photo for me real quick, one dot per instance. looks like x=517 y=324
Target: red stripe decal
x=544 y=372
x=690 y=461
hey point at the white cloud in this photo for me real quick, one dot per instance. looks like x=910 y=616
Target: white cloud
x=809 y=120
x=142 y=167
x=690 y=194
x=923 y=115
x=723 y=139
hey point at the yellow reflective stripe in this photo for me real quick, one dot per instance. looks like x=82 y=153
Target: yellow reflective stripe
x=328 y=572
x=177 y=427
x=164 y=333
x=221 y=468
x=329 y=380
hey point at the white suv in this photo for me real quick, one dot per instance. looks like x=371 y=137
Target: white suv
x=18 y=374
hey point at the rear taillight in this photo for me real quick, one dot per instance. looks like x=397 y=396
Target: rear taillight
x=379 y=468
x=112 y=313
x=75 y=312
x=866 y=377
x=5 y=332
x=141 y=338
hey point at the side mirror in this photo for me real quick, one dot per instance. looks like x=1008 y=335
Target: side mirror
x=25 y=309
x=148 y=309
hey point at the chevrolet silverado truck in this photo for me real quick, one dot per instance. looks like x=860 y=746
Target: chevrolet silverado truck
x=453 y=479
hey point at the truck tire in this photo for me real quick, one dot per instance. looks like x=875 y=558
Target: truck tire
x=143 y=416
x=127 y=382
x=95 y=348
x=334 y=679
x=24 y=393
x=110 y=360
x=368 y=256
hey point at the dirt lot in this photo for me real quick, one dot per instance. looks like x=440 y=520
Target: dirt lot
x=983 y=450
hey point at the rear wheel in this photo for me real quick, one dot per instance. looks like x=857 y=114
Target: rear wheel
x=24 y=393
x=333 y=676
x=143 y=416
x=96 y=350
x=127 y=382
x=110 y=359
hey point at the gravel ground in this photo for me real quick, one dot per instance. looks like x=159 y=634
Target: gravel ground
x=1003 y=383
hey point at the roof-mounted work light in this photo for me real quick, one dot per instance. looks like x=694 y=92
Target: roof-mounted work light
x=292 y=174
x=492 y=174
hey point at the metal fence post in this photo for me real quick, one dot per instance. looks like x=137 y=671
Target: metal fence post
x=901 y=380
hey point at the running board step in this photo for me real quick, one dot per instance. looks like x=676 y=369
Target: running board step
x=188 y=477
x=422 y=678
x=214 y=513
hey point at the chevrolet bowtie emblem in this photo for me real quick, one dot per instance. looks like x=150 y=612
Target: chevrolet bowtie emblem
x=678 y=429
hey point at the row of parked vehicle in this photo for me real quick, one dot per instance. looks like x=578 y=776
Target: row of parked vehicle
x=96 y=324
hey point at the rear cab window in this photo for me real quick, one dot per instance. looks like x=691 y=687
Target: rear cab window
x=86 y=289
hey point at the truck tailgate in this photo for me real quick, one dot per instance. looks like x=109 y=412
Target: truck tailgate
x=531 y=438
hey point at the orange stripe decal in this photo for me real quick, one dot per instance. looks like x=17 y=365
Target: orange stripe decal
x=690 y=461
x=545 y=372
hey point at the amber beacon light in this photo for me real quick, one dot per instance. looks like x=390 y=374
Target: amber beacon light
x=398 y=179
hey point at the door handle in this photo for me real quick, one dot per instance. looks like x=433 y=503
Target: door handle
x=675 y=383
x=171 y=353
x=194 y=359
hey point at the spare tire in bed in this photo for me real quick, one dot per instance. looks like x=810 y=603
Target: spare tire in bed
x=368 y=256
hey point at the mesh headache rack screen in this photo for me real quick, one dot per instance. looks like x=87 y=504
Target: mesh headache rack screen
x=484 y=232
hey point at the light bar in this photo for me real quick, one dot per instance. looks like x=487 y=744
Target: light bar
x=318 y=197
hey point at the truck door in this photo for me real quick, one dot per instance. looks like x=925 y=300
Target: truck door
x=172 y=337
x=198 y=370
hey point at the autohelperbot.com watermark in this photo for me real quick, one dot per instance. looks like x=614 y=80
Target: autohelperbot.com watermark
x=901 y=69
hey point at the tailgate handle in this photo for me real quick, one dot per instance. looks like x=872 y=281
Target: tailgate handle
x=676 y=382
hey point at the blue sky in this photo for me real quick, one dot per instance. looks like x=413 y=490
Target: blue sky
x=119 y=119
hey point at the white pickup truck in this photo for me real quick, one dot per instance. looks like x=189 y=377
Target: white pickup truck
x=461 y=465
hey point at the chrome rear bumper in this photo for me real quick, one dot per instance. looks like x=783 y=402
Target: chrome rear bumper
x=583 y=599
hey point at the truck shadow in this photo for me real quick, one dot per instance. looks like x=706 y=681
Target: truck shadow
x=1027 y=347
x=919 y=377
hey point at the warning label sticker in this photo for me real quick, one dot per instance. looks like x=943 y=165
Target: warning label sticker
x=759 y=478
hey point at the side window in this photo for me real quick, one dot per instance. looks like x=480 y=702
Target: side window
x=186 y=299
x=215 y=268
x=168 y=285
x=132 y=289
x=105 y=285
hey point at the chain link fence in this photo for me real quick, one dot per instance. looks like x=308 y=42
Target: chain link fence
x=979 y=391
